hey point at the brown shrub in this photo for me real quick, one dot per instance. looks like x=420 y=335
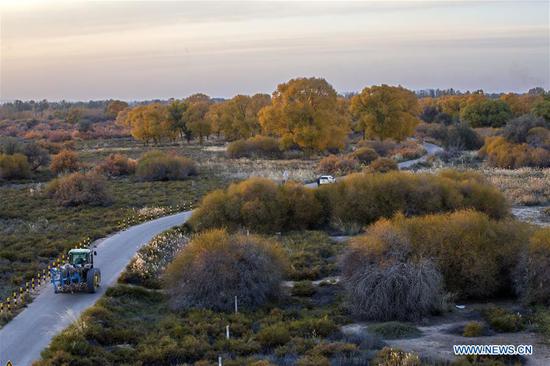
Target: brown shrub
x=260 y=205
x=65 y=162
x=257 y=146
x=14 y=166
x=365 y=155
x=156 y=165
x=58 y=136
x=338 y=165
x=503 y=154
x=215 y=267
x=539 y=137
x=533 y=272
x=382 y=148
x=116 y=165
x=361 y=199
x=79 y=189
x=381 y=165
x=475 y=254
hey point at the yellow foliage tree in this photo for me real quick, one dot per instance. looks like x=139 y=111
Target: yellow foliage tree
x=195 y=115
x=386 y=112
x=149 y=123
x=304 y=113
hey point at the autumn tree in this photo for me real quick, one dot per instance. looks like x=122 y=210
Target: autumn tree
x=73 y=116
x=177 y=119
x=542 y=109
x=238 y=118
x=304 y=113
x=114 y=107
x=195 y=115
x=149 y=123
x=486 y=113
x=386 y=112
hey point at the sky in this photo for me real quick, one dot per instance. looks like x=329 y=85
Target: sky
x=84 y=50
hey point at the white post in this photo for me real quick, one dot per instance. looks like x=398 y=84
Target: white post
x=220 y=361
x=227 y=331
x=236 y=306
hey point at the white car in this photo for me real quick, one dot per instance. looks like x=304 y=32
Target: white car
x=325 y=179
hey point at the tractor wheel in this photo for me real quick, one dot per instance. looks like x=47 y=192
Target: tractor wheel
x=93 y=279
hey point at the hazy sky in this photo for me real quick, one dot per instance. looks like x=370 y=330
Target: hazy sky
x=143 y=50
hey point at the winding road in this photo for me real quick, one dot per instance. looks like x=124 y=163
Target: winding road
x=24 y=337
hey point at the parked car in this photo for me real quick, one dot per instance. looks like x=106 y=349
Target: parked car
x=325 y=179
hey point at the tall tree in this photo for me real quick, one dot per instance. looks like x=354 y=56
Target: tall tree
x=304 y=113
x=486 y=113
x=149 y=123
x=238 y=118
x=114 y=107
x=386 y=112
x=195 y=115
x=177 y=118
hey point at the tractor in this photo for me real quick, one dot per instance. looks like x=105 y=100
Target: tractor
x=78 y=274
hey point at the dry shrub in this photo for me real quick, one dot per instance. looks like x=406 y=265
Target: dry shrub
x=533 y=272
x=338 y=165
x=258 y=204
x=504 y=154
x=381 y=165
x=408 y=150
x=215 y=267
x=58 y=136
x=117 y=165
x=65 y=162
x=361 y=199
x=156 y=165
x=257 y=146
x=433 y=131
x=14 y=166
x=475 y=254
x=517 y=130
x=79 y=189
x=382 y=148
x=383 y=284
x=539 y=137
x=365 y=155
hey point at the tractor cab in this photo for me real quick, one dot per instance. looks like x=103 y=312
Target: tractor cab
x=81 y=258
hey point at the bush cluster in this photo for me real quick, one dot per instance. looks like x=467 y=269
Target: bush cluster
x=502 y=320
x=504 y=154
x=476 y=255
x=255 y=147
x=156 y=165
x=79 y=189
x=533 y=273
x=338 y=165
x=216 y=266
x=117 y=165
x=14 y=166
x=65 y=162
x=260 y=205
x=382 y=165
x=365 y=155
x=455 y=137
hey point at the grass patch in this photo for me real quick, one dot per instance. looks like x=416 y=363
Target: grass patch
x=395 y=330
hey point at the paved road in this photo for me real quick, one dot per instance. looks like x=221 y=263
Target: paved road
x=431 y=149
x=23 y=338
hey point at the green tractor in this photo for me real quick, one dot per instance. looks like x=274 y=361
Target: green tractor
x=79 y=274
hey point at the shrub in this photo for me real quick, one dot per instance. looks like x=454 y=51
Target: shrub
x=436 y=132
x=316 y=360
x=257 y=146
x=215 y=267
x=79 y=189
x=156 y=165
x=504 y=154
x=390 y=291
x=474 y=253
x=117 y=165
x=473 y=329
x=36 y=155
x=14 y=166
x=382 y=148
x=313 y=327
x=258 y=204
x=365 y=155
x=303 y=288
x=273 y=335
x=517 y=129
x=538 y=137
x=407 y=150
x=65 y=162
x=382 y=165
x=361 y=199
x=503 y=320
x=338 y=165
x=533 y=272
x=462 y=137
